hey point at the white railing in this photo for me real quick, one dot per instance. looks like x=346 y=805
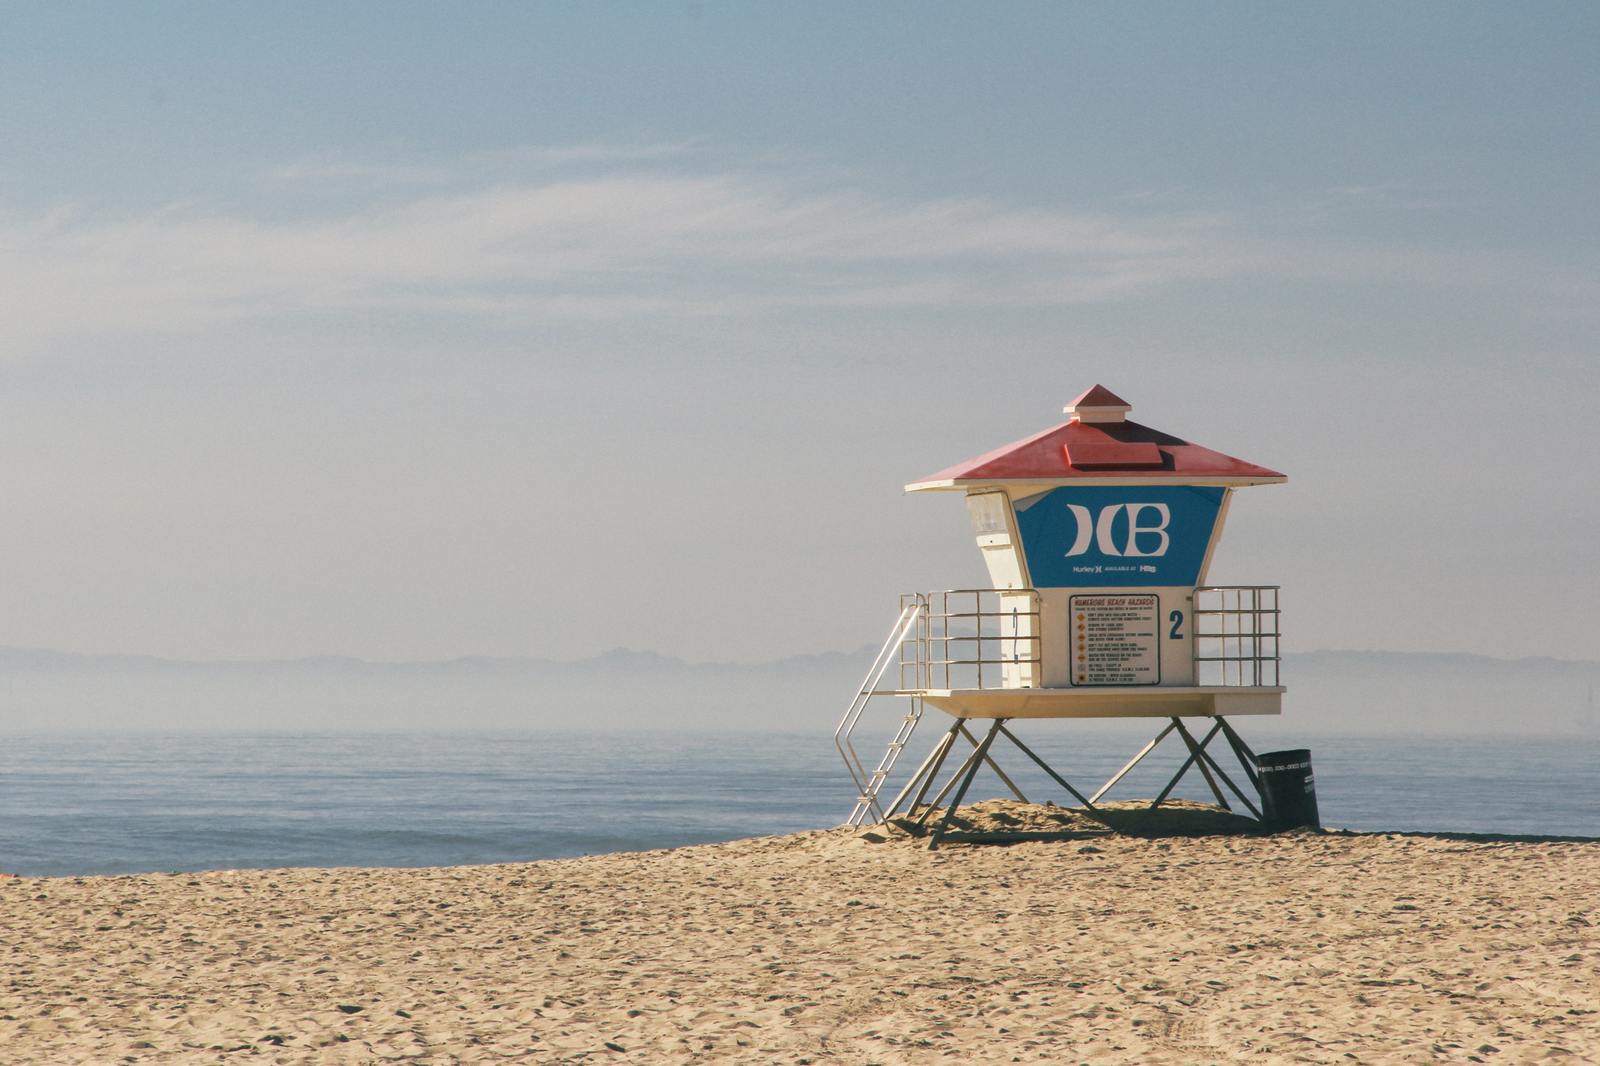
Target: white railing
x=990 y=638
x=1236 y=634
x=972 y=638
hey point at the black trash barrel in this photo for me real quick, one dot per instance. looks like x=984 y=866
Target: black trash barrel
x=1288 y=791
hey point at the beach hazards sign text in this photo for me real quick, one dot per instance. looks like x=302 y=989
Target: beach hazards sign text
x=1115 y=640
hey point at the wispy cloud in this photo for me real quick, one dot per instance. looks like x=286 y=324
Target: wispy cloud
x=629 y=241
x=322 y=171
x=500 y=165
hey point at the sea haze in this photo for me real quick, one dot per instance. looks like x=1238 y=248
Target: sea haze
x=1329 y=691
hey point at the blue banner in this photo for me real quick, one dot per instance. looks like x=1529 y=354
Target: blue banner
x=1117 y=536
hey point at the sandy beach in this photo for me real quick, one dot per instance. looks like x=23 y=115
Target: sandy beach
x=831 y=947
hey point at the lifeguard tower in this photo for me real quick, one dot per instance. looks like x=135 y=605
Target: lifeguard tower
x=1097 y=535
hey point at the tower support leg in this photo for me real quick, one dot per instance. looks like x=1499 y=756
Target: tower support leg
x=1241 y=751
x=1046 y=767
x=966 y=781
x=922 y=811
x=1135 y=761
x=1226 y=780
x=955 y=779
x=926 y=772
x=1175 y=777
x=1197 y=756
x=1001 y=774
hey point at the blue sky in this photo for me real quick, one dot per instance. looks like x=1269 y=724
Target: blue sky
x=414 y=331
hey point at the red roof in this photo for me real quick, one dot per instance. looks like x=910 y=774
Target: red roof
x=1087 y=450
x=1098 y=396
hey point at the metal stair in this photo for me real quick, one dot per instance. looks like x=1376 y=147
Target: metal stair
x=870 y=783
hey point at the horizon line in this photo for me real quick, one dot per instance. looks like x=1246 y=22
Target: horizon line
x=621 y=651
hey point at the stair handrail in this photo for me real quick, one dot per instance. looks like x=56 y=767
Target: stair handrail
x=868 y=802
x=869 y=782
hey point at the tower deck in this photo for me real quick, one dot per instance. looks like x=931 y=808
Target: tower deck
x=1104 y=702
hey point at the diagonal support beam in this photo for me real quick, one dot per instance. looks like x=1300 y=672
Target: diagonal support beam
x=1079 y=796
x=1241 y=750
x=1229 y=782
x=1159 y=800
x=989 y=759
x=955 y=779
x=966 y=781
x=933 y=772
x=961 y=780
x=925 y=773
x=1197 y=755
x=1135 y=761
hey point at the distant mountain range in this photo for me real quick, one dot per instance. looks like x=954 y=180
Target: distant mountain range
x=41 y=689
x=615 y=659
x=1341 y=691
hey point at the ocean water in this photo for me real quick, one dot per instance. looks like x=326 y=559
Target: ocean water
x=77 y=804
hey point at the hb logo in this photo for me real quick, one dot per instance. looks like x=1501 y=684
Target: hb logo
x=1100 y=530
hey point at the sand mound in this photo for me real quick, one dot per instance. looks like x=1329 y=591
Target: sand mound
x=1001 y=818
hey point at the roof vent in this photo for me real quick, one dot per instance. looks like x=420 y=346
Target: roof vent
x=1098 y=404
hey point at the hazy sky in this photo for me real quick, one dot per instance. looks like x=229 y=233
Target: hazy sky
x=427 y=330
